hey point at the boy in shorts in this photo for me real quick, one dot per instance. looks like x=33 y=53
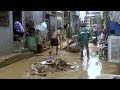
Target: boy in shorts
x=55 y=40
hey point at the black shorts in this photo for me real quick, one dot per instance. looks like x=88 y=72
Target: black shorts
x=54 y=42
x=20 y=34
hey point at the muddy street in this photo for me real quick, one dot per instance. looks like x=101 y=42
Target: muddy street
x=84 y=69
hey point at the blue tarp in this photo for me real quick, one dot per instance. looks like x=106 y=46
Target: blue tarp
x=113 y=26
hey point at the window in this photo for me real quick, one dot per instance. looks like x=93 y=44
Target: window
x=59 y=23
x=4 y=18
x=52 y=22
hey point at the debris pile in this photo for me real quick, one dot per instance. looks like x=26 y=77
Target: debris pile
x=38 y=69
x=61 y=65
x=43 y=69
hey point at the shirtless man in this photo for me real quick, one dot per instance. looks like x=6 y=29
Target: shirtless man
x=55 y=40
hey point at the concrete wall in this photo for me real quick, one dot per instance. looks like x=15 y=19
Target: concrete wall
x=23 y=19
x=38 y=16
x=60 y=17
x=78 y=13
x=6 y=36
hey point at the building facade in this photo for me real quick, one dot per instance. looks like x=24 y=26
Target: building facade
x=53 y=19
x=50 y=18
x=6 y=32
x=74 y=22
x=7 y=36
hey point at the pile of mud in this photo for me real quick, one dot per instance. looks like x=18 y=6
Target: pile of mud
x=38 y=69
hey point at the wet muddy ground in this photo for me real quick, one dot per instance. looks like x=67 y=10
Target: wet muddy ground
x=86 y=69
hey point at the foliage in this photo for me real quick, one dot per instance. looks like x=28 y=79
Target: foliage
x=101 y=21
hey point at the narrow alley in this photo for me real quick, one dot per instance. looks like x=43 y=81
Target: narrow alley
x=59 y=44
x=85 y=70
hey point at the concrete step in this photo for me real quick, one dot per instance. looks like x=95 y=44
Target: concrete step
x=14 y=57
x=22 y=50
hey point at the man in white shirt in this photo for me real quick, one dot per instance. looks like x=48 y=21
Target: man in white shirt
x=55 y=40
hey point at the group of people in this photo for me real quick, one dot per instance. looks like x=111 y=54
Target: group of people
x=21 y=32
x=83 y=36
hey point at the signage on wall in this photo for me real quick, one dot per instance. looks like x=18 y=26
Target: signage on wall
x=4 y=18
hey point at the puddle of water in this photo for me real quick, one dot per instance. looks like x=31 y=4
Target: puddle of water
x=94 y=68
x=85 y=69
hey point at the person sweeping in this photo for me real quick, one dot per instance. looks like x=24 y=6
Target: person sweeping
x=55 y=40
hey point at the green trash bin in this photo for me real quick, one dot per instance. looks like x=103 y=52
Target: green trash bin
x=31 y=43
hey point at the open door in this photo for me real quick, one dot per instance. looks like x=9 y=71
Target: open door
x=18 y=15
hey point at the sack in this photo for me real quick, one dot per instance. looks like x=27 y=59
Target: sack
x=73 y=47
x=31 y=43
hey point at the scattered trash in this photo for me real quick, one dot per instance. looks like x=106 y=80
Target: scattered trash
x=49 y=59
x=44 y=67
x=75 y=63
x=47 y=63
x=116 y=77
x=75 y=67
x=43 y=62
x=39 y=55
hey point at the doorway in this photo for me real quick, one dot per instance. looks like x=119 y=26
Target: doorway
x=47 y=20
x=18 y=15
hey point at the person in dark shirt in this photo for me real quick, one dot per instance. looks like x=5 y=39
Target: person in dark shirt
x=83 y=37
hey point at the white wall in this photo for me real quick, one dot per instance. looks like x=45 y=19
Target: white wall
x=23 y=19
x=82 y=15
x=6 y=36
x=78 y=13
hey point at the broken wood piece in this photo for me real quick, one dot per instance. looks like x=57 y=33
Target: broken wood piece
x=39 y=55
